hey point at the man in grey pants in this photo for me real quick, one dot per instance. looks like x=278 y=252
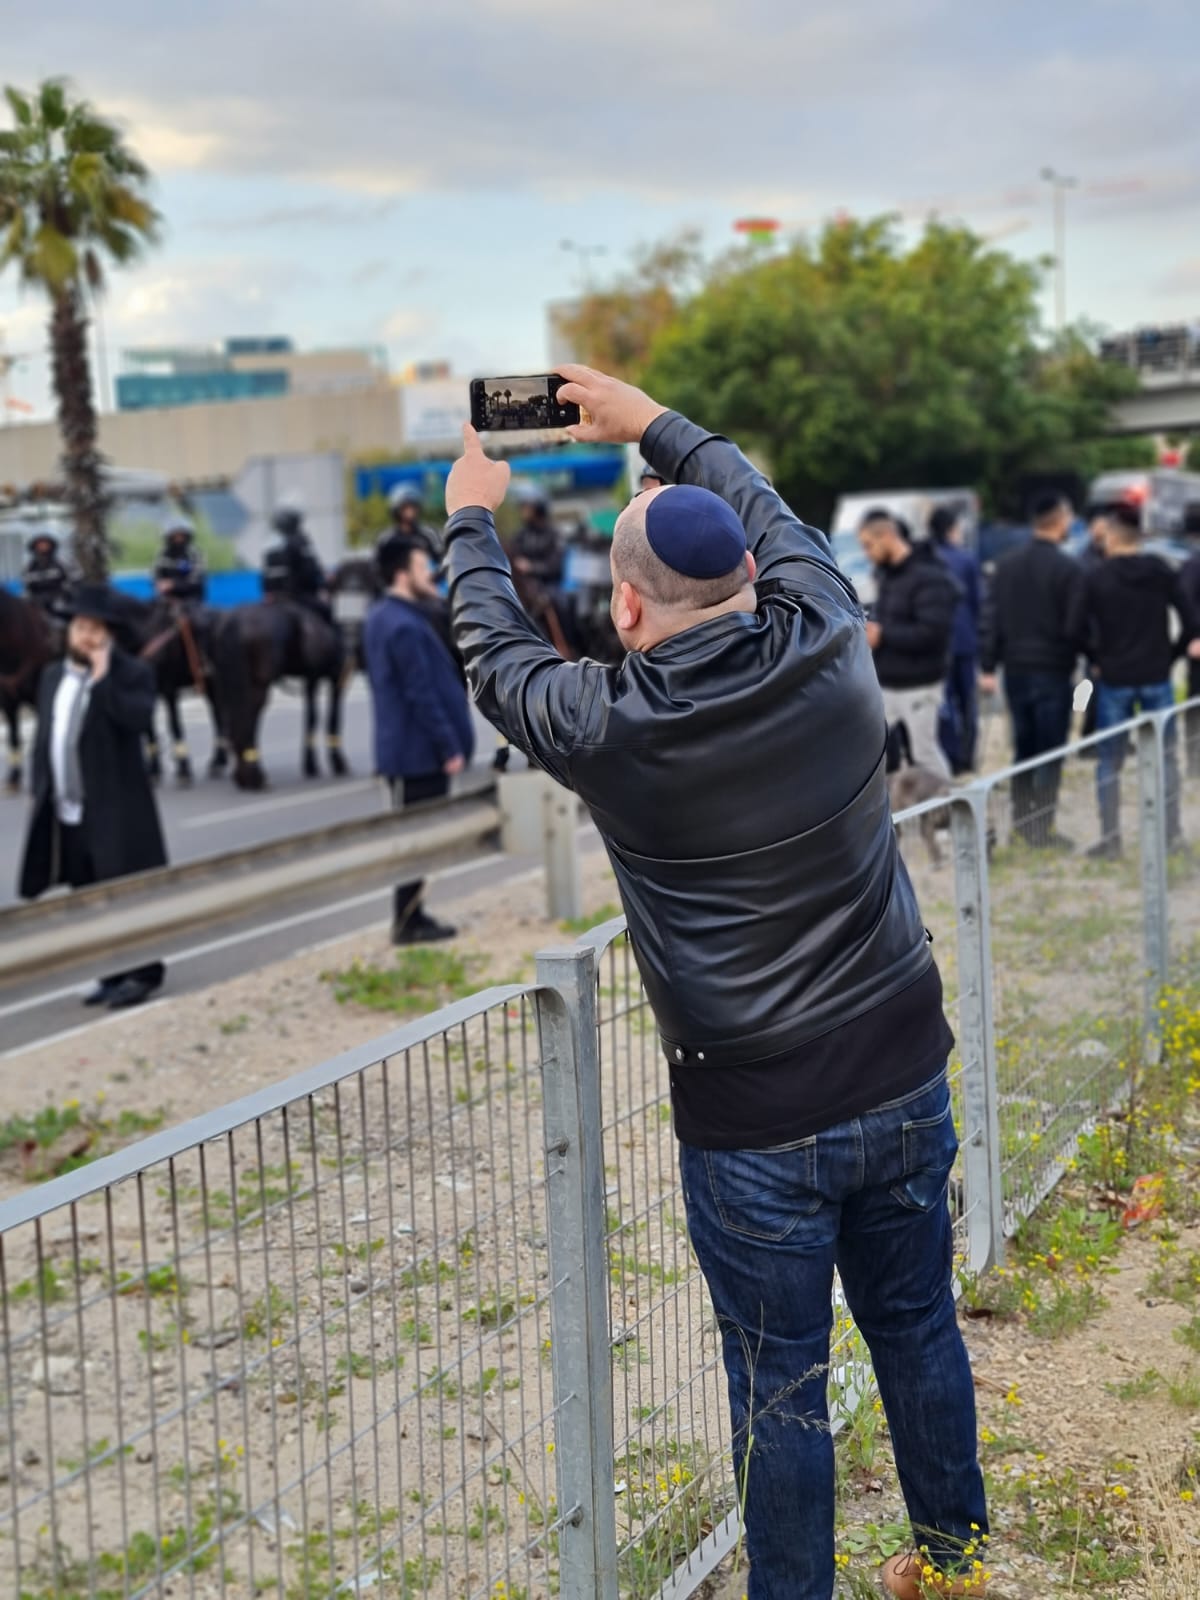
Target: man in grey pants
x=909 y=632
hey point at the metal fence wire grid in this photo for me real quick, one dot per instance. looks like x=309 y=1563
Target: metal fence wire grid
x=425 y=1320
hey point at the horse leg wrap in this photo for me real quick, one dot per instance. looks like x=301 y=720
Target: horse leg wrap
x=250 y=757
x=14 y=758
x=334 y=741
x=180 y=749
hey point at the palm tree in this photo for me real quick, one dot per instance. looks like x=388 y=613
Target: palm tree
x=71 y=195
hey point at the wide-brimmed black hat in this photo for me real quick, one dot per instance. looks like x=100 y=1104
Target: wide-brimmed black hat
x=101 y=602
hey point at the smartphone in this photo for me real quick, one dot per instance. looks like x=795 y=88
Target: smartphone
x=506 y=404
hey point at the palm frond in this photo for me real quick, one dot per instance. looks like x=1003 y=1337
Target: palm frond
x=52 y=104
x=21 y=109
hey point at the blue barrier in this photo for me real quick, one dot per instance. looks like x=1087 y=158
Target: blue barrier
x=225 y=589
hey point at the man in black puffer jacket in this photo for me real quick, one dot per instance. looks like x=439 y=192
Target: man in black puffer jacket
x=734 y=764
x=912 y=622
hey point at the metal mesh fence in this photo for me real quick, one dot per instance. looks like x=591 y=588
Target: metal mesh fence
x=1181 y=747
x=673 y=1458
x=1066 y=955
x=360 y=1333
x=305 y=1352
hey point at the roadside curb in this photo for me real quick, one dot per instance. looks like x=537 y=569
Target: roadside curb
x=67 y=933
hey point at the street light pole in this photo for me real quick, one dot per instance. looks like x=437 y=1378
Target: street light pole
x=585 y=253
x=1060 y=184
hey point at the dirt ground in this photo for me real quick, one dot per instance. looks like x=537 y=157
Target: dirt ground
x=187 y=1054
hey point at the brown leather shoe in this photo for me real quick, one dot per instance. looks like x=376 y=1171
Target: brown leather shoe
x=913 y=1577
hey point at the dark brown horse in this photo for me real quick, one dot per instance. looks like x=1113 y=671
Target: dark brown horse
x=179 y=642
x=28 y=640
x=257 y=646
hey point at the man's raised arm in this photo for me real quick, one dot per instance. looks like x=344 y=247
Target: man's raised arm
x=520 y=683
x=783 y=546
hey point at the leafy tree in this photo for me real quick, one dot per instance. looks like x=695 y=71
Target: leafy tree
x=614 y=329
x=852 y=362
x=71 y=196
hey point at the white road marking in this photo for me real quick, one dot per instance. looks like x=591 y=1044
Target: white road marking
x=261 y=930
x=252 y=808
x=71 y=1033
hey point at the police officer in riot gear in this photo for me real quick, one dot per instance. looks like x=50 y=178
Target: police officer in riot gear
x=537 y=545
x=405 y=504
x=291 y=569
x=44 y=577
x=179 y=570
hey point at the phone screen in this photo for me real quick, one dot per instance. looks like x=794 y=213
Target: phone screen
x=507 y=404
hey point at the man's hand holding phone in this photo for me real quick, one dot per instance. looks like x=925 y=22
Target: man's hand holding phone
x=617 y=412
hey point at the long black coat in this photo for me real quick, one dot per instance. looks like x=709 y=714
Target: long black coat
x=120 y=817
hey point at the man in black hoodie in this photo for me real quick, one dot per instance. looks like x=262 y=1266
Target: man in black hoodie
x=1122 y=621
x=910 y=630
x=1027 y=620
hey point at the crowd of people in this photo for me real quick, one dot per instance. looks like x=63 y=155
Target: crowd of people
x=940 y=633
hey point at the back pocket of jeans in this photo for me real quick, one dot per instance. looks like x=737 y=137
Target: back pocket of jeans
x=930 y=1146
x=763 y=1194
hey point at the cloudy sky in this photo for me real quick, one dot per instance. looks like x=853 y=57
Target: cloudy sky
x=402 y=174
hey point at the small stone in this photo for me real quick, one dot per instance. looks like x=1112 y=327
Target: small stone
x=359 y=1286
x=144 y=1457
x=57 y=1375
x=30 y=1457
x=215 y=1338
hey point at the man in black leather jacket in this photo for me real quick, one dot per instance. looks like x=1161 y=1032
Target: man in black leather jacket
x=734 y=764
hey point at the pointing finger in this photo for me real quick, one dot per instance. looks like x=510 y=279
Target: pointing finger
x=471 y=440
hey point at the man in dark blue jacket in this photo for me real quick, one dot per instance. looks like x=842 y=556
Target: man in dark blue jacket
x=961 y=728
x=424 y=734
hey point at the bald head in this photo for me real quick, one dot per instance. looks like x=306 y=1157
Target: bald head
x=635 y=563
x=653 y=602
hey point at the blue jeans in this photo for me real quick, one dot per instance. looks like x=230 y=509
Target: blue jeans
x=769 y=1226
x=1040 y=706
x=1118 y=705
x=958 y=721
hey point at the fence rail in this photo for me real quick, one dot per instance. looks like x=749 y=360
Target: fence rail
x=424 y=1319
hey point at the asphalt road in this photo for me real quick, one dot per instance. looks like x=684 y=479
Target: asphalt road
x=211 y=817
x=34 y=1011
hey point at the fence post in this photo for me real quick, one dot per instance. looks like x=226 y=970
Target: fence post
x=579 y=1299
x=983 y=1183
x=560 y=823
x=1152 y=806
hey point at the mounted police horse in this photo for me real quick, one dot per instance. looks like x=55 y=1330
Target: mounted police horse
x=179 y=642
x=28 y=640
x=259 y=645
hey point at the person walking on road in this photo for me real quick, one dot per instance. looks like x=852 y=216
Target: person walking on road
x=1122 y=621
x=910 y=632
x=94 y=816
x=734 y=765
x=961 y=698
x=424 y=734
x=1027 y=628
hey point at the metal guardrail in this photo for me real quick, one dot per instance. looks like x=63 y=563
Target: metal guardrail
x=424 y=1319
x=1156 y=352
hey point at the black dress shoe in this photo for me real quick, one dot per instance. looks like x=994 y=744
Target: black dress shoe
x=137 y=987
x=130 y=992
x=421 y=928
x=103 y=991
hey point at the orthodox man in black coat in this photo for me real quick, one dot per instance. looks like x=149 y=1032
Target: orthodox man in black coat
x=94 y=815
